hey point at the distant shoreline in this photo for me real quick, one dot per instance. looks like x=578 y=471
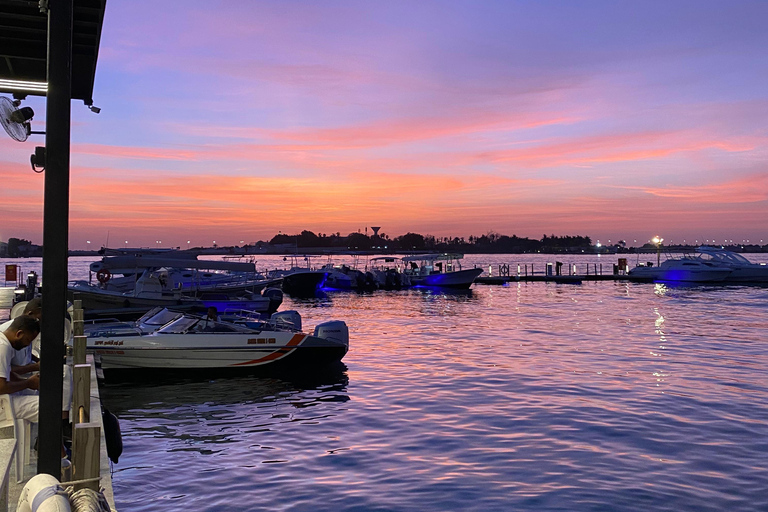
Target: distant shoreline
x=315 y=251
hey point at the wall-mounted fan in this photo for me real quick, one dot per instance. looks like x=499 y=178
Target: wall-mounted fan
x=15 y=120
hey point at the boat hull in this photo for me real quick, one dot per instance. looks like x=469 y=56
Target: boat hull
x=653 y=274
x=460 y=279
x=223 y=351
x=303 y=283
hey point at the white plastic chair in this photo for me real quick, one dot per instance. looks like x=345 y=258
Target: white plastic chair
x=21 y=431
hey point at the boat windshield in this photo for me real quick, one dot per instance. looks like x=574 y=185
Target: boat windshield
x=179 y=325
x=190 y=324
x=161 y=317
x=725 y=257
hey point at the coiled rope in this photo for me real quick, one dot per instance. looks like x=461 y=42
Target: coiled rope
x=87 y=500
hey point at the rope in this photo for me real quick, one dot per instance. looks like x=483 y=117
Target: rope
x=70 y=483
x=88 y=500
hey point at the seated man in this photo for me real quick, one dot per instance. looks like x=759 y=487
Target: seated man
x=20 y=334
x=25 y=361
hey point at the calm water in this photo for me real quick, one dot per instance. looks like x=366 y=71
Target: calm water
x=537 y=396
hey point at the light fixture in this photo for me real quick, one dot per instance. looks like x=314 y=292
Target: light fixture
x=23 y=85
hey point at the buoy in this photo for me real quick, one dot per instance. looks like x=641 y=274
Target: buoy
x=43 y=493
x=103 y=275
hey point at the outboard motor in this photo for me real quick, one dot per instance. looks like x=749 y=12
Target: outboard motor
x=275 y=296
x=31 y=285
x=370 y=281
x=335 y=330
x=289 y=318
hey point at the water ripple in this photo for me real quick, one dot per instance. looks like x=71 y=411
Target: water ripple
x=533 y=396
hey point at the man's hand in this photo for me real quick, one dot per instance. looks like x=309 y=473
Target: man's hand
x=34 y=382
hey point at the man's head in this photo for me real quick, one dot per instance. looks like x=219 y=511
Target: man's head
x=22 y=331
x=34 y=308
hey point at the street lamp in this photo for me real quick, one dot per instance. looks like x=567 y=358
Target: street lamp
x=657 y=240
x=187 y=244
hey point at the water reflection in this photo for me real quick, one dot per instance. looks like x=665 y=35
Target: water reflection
x=445 y=293
x=170 y=392
x=208 y=417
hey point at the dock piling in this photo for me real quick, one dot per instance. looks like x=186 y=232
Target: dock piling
x=81 y=393
x=85 y=455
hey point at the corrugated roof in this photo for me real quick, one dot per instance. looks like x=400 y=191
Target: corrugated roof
x=24 y=43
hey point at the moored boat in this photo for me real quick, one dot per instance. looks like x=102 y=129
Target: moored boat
x=742 y=270
x=388 y=273
x=683 y=270
x=191 y=342
x=439 y=270
x=149 y=292
x=300 y=281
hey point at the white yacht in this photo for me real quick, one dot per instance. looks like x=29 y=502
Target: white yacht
x=685 y=270
x=742 y=270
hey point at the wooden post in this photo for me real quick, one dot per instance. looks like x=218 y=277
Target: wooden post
x=77 y=322
x=86 y=454
x=78 y=354
x=81 y=400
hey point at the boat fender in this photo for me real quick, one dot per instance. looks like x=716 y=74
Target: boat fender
x=112 y=435
x=43 y=493
x=335 y=330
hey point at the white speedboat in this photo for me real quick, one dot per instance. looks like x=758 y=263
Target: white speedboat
x=439 y=270
x=685 y=270
x=742 y=270
x=190 y=342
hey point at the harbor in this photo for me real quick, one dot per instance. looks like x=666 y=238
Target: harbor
x=598 y=369
x=382 y=257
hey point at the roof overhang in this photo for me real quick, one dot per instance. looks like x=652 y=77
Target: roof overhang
x=24 y=47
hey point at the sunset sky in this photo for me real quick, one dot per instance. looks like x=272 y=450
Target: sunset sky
x=234 y=120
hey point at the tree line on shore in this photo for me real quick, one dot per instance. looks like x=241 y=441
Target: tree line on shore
x=488 y=243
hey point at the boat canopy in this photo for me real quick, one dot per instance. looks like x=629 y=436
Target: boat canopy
x=140 y=262
x=434 y=257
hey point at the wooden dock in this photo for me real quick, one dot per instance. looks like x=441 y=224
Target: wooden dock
x=562 y=279
x=105 y=482
x=556 y=273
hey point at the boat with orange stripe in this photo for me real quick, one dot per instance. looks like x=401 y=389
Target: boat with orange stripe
x=191 y=342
